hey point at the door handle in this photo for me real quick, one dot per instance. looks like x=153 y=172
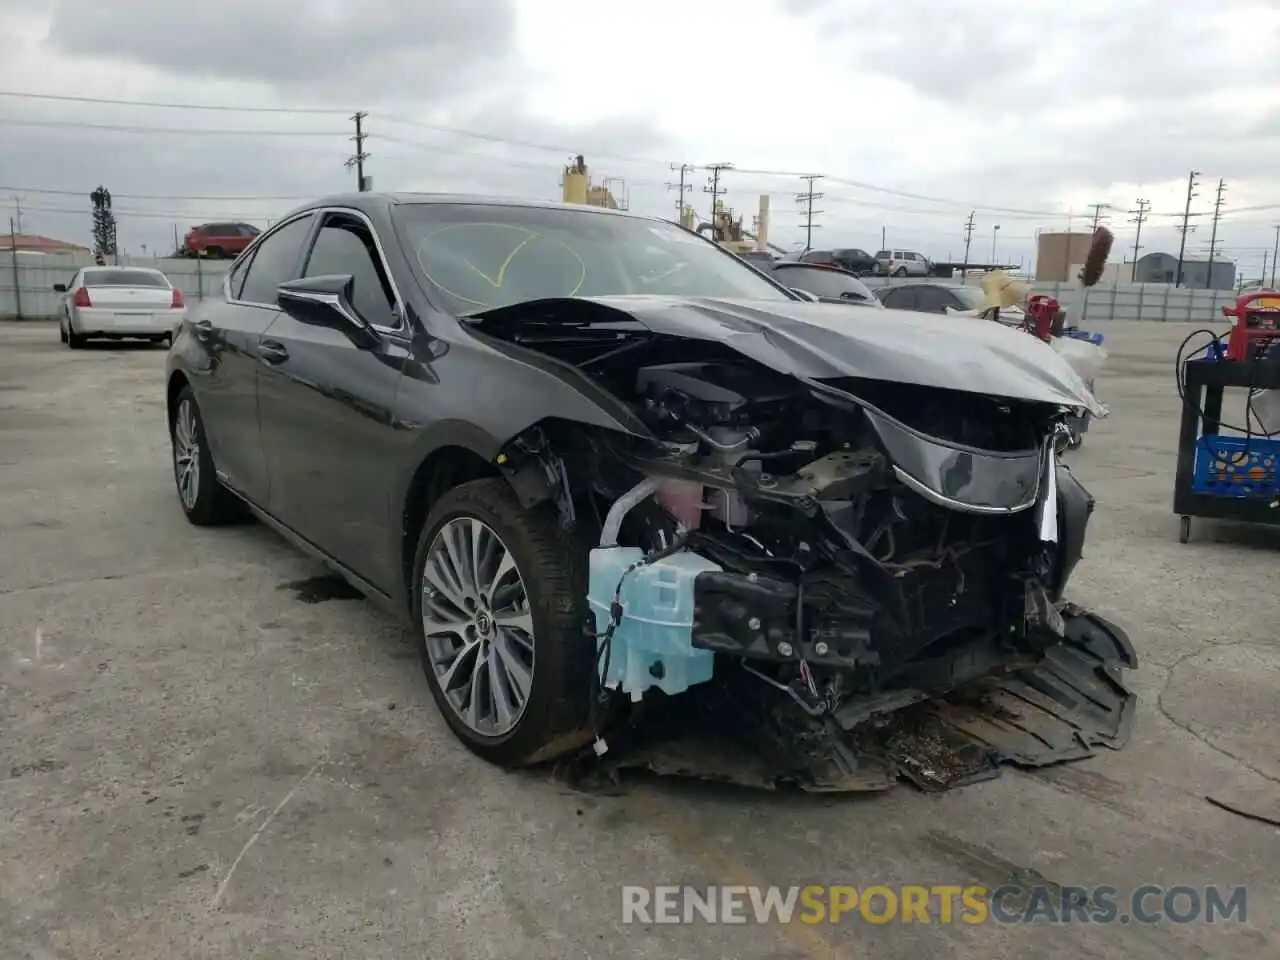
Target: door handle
x=272 y=352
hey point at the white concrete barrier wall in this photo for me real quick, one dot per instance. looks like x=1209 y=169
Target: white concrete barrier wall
x=1122 y=301
x=26 y=291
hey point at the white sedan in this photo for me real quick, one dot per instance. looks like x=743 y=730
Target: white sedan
x=118 y=302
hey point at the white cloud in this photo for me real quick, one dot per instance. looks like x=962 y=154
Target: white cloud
x=995 y=106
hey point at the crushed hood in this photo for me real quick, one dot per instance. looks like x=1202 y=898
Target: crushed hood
x=822 y=341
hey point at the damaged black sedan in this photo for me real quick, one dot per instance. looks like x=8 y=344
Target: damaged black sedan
x=644 y=505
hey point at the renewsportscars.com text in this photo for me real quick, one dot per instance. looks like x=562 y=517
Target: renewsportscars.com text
x=934 y=904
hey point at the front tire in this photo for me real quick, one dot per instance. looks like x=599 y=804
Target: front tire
x=900 y=272
x=498 y=598
x=204 y=500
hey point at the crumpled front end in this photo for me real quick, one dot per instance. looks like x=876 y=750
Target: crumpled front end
x=835 y=583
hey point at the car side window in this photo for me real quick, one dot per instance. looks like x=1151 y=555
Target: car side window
x=276 y=261
x=933 y=300
x=903 y=298
x=345 y=245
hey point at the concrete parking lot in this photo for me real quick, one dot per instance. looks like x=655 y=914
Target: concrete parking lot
x=204 y=754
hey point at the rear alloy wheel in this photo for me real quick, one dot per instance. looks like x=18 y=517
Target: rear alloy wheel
x=204 y=500
x=900 y=272
x=500 y=600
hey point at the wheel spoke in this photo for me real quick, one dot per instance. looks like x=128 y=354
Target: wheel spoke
x=516 y=670
x=515 y=620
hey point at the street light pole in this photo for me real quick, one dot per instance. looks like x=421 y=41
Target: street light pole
x=995 y=232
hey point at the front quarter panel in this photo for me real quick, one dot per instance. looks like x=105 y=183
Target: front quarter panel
x=478 y=394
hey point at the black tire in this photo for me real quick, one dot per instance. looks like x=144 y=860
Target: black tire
x=62 y=333
x=555 y=720
x=213 y=504
x=214 y=253
x=75 y=340
x=900 y=272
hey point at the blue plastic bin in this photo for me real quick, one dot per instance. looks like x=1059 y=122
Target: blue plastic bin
x=1232 y=466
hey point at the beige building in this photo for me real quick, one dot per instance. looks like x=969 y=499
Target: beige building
x=1058 y=253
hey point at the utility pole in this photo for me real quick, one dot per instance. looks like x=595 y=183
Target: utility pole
x=1139 y=217
x=1275 y=253
x=968 y=239
x=13 y=256
x=807 y=199
x=1186 y=218
x=17 y=212
x=358 y=158
x=1213 y=234
x=684 y=188
x=713 y=187
x=1097 y=213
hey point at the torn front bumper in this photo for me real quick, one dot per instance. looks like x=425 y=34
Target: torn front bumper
x=992 y=710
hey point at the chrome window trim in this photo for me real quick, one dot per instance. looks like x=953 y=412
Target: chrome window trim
x=399 y=303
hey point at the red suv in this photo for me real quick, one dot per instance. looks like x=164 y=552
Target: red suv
x=219 y=240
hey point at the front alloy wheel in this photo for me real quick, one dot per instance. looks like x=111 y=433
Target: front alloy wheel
x=499 y=596
x=477 y=626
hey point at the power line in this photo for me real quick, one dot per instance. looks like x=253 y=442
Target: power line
x=457 y=131
x=807 y=199
x=1139 y=217
x=1186 y=217
x=19 y=95
x=492 y=138
x=170 y=131
x=142 y=196
x=1098 y=216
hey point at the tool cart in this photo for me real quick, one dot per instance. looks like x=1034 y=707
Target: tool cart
x=1231 y=475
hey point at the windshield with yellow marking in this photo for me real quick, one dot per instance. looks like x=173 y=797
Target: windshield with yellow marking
x=475 y=257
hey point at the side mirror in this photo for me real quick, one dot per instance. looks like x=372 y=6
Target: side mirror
x=326 y=302
x=59 y=288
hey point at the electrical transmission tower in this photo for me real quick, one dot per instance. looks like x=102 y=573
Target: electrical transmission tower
x=968 y=239
x=1139 y=217
x=358 y=158
x=1186 y=227
x=807 y=199
x=713 y=185
x=1098 y=215
x=683 y=187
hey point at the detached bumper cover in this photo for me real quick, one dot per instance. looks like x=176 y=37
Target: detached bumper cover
x=1064 y=706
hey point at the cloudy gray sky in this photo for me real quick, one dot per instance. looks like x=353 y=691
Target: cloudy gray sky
x=915 y=112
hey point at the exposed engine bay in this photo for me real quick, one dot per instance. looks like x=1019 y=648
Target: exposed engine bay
x=832 y=582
